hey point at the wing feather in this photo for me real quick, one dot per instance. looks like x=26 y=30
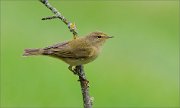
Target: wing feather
x=63 y=50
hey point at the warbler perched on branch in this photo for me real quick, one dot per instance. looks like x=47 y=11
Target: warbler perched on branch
x=75 y=52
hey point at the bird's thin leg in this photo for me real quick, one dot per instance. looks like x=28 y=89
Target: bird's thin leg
x=72 y=70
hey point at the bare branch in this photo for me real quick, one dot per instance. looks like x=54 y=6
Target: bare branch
x=70 y=25
x=84 y=87
x=79 y=69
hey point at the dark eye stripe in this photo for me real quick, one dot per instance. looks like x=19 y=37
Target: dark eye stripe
x=99 y=36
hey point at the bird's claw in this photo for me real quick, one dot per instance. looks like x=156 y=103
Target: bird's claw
x=81 y=79
x=72 y=70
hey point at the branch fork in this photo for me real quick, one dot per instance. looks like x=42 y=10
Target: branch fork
x=71 y=26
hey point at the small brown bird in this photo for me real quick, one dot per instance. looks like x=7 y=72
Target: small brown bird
x=75 y=52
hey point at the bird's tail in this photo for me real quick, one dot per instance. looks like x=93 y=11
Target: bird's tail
x=29 y=52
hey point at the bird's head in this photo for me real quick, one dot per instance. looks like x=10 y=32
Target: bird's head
x=97 y=38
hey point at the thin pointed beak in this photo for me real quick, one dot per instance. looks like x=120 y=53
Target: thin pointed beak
x=109 y=37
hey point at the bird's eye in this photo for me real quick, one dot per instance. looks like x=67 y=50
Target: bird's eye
x=99 y=36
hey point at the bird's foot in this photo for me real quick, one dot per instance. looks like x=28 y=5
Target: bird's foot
x=72 y=69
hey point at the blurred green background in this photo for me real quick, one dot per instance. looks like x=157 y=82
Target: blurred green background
x=137 y=68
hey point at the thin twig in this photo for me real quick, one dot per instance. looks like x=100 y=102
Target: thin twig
x=49 y=18
x=79 y=69
x=71 y=26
